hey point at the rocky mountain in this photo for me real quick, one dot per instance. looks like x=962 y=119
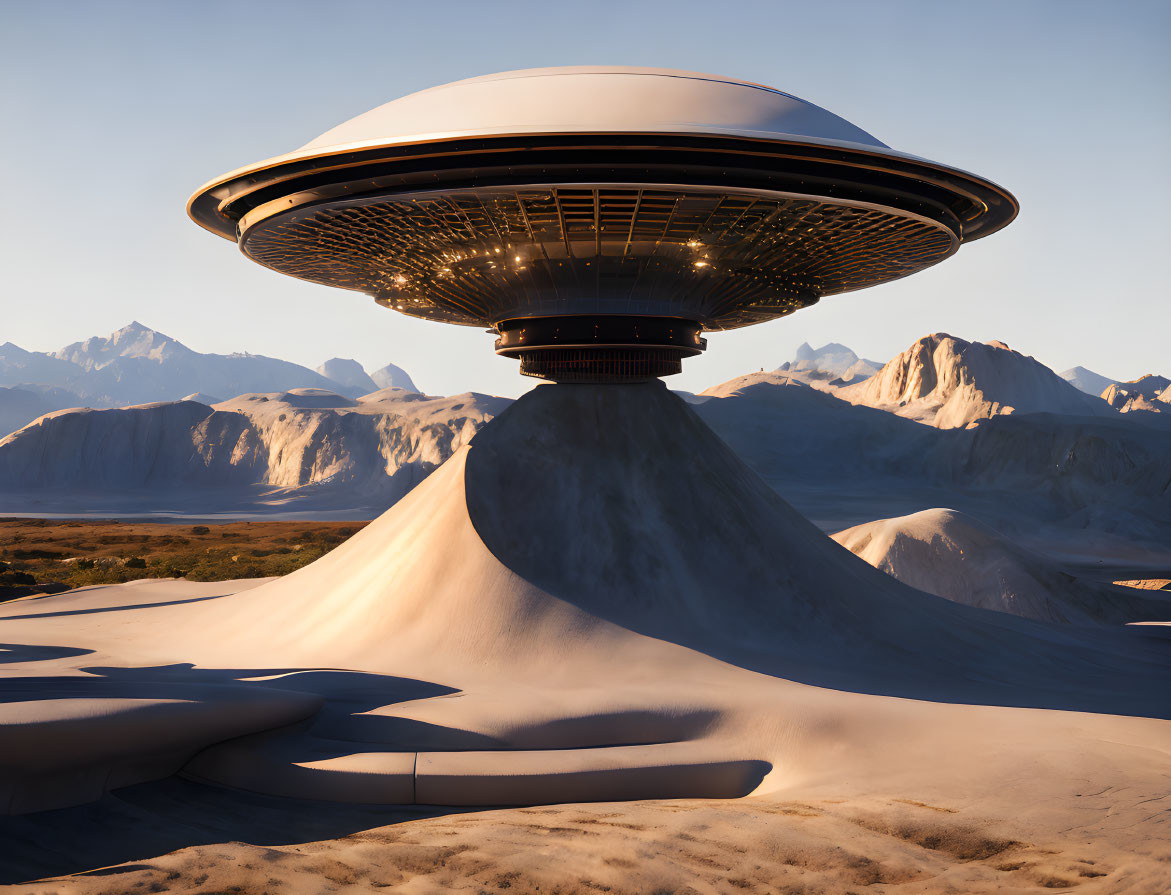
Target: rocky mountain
x=1041 y=476
x=1087 y=380
x=801 y=437
x=1147 y=393
x=132 y=341
x=952 y=555
x=303 y=447
x=20 y=405
x=842 y=462
x=348 y=373
x=950 y=383
x=138 y=365
x=391 y=376
x=20 y=367
x=834 y=361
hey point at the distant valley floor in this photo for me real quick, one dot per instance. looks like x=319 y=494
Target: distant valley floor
x=79 y=553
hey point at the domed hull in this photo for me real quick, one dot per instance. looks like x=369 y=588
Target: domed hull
x=597 y=192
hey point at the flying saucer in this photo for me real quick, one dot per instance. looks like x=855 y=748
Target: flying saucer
x=597 y=219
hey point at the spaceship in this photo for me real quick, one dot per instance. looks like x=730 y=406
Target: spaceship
x=599 y=220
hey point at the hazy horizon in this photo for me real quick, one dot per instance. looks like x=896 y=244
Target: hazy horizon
x=118 y=111
x=524 y=384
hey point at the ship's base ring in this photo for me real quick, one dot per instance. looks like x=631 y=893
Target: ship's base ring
x=601 y=348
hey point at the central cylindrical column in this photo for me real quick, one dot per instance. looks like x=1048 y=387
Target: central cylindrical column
x=599 y=348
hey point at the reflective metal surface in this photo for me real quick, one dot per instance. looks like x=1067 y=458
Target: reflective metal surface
x=599 y=218
x=480 y=256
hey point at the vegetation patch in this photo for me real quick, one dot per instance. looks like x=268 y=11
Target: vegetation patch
x=50 y=555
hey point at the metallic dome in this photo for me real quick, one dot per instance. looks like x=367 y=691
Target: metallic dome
x=585 y=98
x=599 y=218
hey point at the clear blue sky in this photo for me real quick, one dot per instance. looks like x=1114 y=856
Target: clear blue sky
x=113 y=112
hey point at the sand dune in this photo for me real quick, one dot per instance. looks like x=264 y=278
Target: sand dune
x=834 y=837
x=951 y=555
x=502 y=578
x=597 y=599
x=841 y=463
x=1048 y=477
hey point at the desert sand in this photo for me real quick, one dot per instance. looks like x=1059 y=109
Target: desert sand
x=952 y=555
x=193 y=838
x=595 y=602
x=1060 y=484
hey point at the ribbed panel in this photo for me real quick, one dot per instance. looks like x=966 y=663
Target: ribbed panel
x=601 y=364
x=480 y=256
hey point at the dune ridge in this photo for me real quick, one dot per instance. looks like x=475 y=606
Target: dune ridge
x=949 y=554
x=594 y=599
x=592 y=570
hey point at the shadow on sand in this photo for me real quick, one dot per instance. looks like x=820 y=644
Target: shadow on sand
x=139 y=822
x=151 y=819
x=23 y=652
x=98 y=609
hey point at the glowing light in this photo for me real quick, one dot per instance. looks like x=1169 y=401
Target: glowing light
x=694 y=243
x=517 y=259
x=701 y=264
x=400 y=279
